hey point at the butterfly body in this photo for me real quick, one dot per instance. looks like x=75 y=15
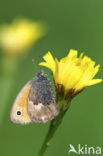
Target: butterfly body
x=36 y=102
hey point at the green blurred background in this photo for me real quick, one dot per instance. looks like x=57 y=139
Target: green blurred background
x=76 y=24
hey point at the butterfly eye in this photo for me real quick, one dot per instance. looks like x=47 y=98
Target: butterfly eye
x=18 y=113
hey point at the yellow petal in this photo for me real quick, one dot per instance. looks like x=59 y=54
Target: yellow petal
x=72 y=53
x=50 y=63
x=94 y=81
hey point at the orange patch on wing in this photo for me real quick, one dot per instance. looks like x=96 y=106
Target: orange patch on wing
x=22 y=101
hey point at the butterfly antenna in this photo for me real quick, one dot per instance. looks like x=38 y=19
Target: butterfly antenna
x=35 y=65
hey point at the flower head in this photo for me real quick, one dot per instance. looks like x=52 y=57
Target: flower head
x=20 y=35
x=72 y=74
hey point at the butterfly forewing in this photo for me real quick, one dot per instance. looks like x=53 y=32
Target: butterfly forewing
x=19 y=112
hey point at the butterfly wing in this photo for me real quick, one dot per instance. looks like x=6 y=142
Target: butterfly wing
x=41 y=103
x=42 y=113
x=19 y=112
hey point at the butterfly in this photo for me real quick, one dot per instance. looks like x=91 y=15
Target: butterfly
x=36 y=102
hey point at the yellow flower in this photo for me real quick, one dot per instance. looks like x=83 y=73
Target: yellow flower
x=20 y=35
x=72 y=74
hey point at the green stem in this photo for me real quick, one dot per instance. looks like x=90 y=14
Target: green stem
x=52 y=129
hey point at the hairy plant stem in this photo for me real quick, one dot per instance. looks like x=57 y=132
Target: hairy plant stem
x=53 y=127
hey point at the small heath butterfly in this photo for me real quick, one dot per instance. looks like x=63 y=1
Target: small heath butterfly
x=36 y=102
